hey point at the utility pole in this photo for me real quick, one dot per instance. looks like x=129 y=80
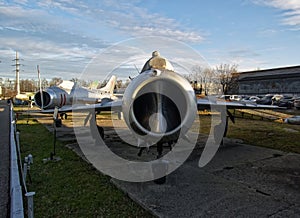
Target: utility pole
x=17 y=82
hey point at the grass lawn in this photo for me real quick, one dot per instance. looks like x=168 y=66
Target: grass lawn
x=70 y=187
x=264 y=133
x=281 y=136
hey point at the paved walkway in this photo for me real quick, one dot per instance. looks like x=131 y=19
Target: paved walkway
x=4 y=159
x=241 y=181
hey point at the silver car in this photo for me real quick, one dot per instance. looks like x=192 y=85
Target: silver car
x=297 y=103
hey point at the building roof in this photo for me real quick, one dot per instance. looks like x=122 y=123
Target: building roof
x=291 y=71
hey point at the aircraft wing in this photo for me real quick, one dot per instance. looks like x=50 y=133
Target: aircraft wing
x=206 y=103
x=203 y=103
x=103 y=106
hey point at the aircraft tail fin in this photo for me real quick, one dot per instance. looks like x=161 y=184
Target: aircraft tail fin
x=110 y=86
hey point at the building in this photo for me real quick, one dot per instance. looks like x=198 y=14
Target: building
x=284 y=80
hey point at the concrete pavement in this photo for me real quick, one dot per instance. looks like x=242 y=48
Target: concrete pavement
x=4 y=159
x=240 y=181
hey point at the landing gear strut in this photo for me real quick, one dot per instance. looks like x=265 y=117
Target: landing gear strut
x=220 y=129
x=159 y=149
x=95 y=129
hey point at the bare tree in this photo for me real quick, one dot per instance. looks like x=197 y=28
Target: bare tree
x=45 y=83
x=55 y=81
x=227 y=76
x=203 y=77
x=119 y=84
x=80 y=82
x=208 y=78
x=27 y=85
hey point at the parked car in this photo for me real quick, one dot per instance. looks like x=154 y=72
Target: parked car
x=235 y=97
x=283 y=101
x=250 y=99
x=297 y=103
x=225 y=97
x=19 y=102
x=277 y=97
x=266 y=100
x=253 y=98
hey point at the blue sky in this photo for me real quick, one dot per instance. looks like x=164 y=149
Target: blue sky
x=64 y=36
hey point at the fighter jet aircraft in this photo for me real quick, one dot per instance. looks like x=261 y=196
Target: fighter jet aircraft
x=159 y=105
x=66 y=93
x=69 y=93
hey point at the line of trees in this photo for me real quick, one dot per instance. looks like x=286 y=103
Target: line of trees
x=7 y=86
x=223 y=79
x=31 y=85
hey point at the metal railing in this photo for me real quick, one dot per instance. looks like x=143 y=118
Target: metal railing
x=16 y=199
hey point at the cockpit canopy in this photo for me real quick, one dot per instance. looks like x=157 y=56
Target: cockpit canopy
x=157 y=62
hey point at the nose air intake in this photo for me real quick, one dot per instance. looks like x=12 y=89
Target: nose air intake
x=156 y=113
x=159 y=106
x=46 y=99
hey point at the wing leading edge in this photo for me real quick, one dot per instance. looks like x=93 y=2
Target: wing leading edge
x=103 y=106
x=203 y=103
x=206 y=103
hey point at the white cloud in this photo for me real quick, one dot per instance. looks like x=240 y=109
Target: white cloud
x=163 y=32
x=125 y=16
x=21 y=2
x=290 y=10
x=56 y=59
x=65 y=34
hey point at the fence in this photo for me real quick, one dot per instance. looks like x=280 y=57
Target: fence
x=16 y=199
